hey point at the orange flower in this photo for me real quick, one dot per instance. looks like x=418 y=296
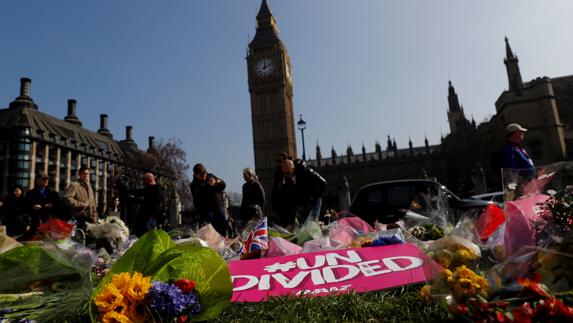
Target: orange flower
x=114 y=317
x=121 y=281
x=138 y=287
x=109 y=299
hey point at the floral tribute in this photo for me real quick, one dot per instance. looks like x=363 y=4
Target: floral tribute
x=56 y=229
x=533 y=303
x=463 y=284
x=135 y=298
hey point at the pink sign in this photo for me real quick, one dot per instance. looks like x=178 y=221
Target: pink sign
x=330 y=272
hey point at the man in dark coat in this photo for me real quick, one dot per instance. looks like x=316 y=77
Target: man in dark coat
x=41 y=203
x=298 y=191
x=207 y=191
x=150 y=198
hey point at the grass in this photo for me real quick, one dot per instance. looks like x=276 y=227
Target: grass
x=398 y=305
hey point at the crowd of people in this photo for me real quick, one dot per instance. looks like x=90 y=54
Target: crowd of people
x=296 y=193
x=22 y=213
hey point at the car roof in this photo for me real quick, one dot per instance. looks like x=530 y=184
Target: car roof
x=429 y=181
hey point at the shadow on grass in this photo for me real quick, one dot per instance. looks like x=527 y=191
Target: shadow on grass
x=397 y=305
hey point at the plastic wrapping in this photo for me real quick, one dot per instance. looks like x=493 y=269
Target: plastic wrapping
x=281 y=247
x=46 y=283
x=452 y=252
x=310 y=230
x=320 y=244
x=553 y=267
x=379 y=238
x=348 y=228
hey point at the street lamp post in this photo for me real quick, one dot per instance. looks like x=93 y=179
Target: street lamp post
x=301 y=126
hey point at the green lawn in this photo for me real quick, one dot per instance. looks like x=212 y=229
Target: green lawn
x=398 y=305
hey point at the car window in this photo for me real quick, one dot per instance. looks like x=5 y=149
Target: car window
x=373 y=198
x=400 y=196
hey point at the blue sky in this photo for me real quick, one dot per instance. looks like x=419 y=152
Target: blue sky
x=361 y=69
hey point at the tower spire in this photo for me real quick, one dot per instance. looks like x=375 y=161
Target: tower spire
x=265 y=19
x=453 y=100
x=264 y=11
x=508 y=52
x=512 y=66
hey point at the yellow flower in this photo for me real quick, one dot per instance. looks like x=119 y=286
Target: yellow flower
x=426 y=293
x=465 y=283
x=114 y=317
x=138 y=287
x=109 y=299
x=121 y=281
x=446 y=273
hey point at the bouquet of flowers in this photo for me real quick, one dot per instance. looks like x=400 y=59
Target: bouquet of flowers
x=452 y=252
x=45 y=283
x=155 y=280
x=136 y=298
x=463 y=284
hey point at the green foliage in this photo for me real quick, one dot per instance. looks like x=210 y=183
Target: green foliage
x=399 y=305
x=156 y=255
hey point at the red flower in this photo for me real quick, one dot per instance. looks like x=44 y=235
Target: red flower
x=501 y=316
x=56 y=229
x=533 y=286
x=182 y=319
x=524 y=313
x=554 y=309
x=186 y=285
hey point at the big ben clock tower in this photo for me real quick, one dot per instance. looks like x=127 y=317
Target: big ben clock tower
x=270 y=87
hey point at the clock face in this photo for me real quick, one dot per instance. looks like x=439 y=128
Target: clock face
x=264 y=67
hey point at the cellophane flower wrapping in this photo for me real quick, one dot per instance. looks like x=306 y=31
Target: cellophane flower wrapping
x=156 y=256
x=45 y=283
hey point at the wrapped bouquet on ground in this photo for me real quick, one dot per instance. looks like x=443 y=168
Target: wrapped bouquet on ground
x=157 y=281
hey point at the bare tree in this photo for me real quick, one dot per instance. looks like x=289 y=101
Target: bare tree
x=172 y=159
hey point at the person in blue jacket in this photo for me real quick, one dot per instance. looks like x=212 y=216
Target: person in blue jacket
x=512 y=154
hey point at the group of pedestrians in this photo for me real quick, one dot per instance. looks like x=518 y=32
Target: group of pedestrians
x=23 y=213
x=296 y=193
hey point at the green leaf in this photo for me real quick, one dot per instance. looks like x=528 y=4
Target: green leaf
x=203 y=266
x=156 y=255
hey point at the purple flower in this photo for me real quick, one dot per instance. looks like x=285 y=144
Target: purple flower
x=166 y=300
x=386 y=241
x=193 y=305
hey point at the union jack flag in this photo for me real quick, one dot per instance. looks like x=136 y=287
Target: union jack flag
x=258 y=238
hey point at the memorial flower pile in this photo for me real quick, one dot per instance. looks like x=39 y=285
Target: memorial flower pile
x=136 y=298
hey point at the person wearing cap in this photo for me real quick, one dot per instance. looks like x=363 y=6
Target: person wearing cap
x=512 y=154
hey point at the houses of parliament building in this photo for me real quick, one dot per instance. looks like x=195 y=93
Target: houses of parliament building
x=467 y=159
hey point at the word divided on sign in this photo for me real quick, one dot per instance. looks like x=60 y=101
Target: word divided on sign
x=333 y=271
